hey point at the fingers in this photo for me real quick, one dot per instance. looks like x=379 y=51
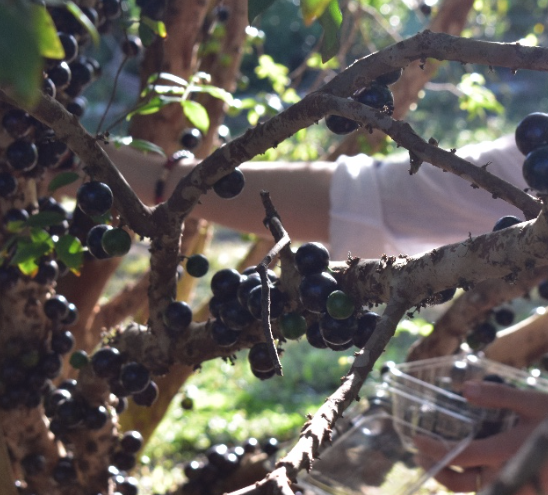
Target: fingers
x=526 y=403
x=491 y=451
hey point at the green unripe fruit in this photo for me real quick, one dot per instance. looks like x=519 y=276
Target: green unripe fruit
x=292 y=325
x=116 y=242
x=339 y=305
x=197 y=265
x=79 y=359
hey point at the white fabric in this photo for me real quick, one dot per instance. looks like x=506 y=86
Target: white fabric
x=377 y=207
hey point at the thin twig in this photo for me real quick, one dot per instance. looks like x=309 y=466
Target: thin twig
x=272 y=221
x=113 y=92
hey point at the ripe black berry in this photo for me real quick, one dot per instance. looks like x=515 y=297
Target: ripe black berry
x=64 y=472
x=131 y=441
x=132 y=46
x=60 y=75
x=22 y=155
x=197 y=265
x=314 y=290
x=48 y=271
x=127 y=486
x=93 y=241
x=177 y=316
x=112 y=9
x=225 y=283
x=72 y=316
x=270 y=446
x=94 y=198
x=248 y=282
x=77 y=106
x=123 y=461
x=366 y=326
x=311 y=257
x=135 y=377
x=223 y=335
x=532 y=132
x=17 y=122
x=95 y=417
x=234 y=315
x=62 y=342
x=230 y=185
x=70 y=45
x=389 y=77
x=314 y=336
x=543 y=289
x=107 y=362
x=8 y=184
x=33 y=464
x=535 y=169
x=259 y=358
x=70 y=412
x=504 y=316
x=254 y=302
x=191 y=138
x=337 y=332
x=506 y=221
x=340 y=125
x=148 y=396
x=56 y=307
x=377 y=96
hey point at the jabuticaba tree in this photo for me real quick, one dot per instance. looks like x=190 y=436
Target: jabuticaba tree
x=62 y=435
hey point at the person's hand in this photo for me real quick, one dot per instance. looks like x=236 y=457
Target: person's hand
x=479 y=463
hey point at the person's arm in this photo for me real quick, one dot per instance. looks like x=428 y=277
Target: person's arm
x=299 y=190
x=481 y=461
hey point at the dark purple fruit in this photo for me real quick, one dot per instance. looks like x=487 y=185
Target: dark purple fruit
x=191 y=138
x=225 y=283
x=33 y=464
x=62 y=342
x=64 y=472
x=94 y=241
x=377 y=96
x=9 y=275
x=135 y=377
x=223 y=335
x=60 y=75
x=230 y=185
x=132 y=46
x=270 y=446
x=543 y=289
x=127 y=486
x=70 y=45
x=311 y=257
x=112 y=9
x=72 y=316
x=8 y=184
x=366 y=326
x=94 y=198
x=532 y=132
x=259 y=358
x=248 y=282
x=131 y=441
x=177 y=316
x=107 y=362
x=77 y=106
x=255 y=301
x=340 y=125
x=70 y=413
x=148 y=396
x=17 y=122
x=234 y=315
x=337 y=332
x=95 y=417
x=197 y=265
x=22 y=155
x=314 y=290
x=535 y=169
x=389 y=78
x=314 y=336
x=506 y=221
x=48 y=271
x=56 y=307
x=504 y=316
x=123 y=461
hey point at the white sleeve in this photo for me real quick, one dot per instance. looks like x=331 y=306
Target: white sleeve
x=377 y=207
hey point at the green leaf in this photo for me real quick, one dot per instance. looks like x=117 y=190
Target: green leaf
x=157 y=27
x=331 y=20
x=62 y=179
x=197 y=114
x=49 y=44
x=139 y=144
x=45 y=219
x=28 y=250
x=146 y=34
x=257 y=7
x=313 y=9
x=214 y=91
x=84 y=20
x=20 y=60
x=70 y=251
x=166 y=76
x=153 y=105
x=40 y=235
